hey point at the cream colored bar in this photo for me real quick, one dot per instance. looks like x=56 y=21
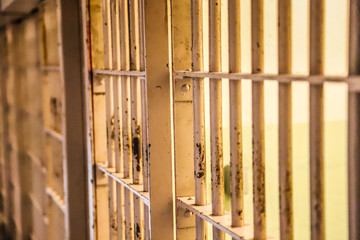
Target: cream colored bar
x=223 y=223
x=127 y=183
x=159 y=90
x=317 y=13
x=109 y=110
x=236 y=161
x=135 y=93
x=353 y=125
x=118 y=221
x=126 y=115
x=144 y=109
x=256 y=77
x=136 y=116
x=216 y=135
x=115 y=33
x=199 y=115
x=285 y=121
x=120 y=217
x=144 y=113
x=140 y=74
x=257 y=45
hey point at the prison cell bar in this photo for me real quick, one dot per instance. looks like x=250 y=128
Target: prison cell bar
x=144 y=120
x=136 y=117
x=236 y=161
x=222 y=223
x=199 y=114
x=317 y=13
x=107 y=8
x=126 y=114
x=119 y=222
x=285 y=121
x=353 y=124
x=256 y=77
x=257 y=47
x=216 y=135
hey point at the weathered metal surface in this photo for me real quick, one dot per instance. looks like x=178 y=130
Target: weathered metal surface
x=216 y=132
x=285 y=121
x=199 y=114
x=257 y=46
x=159 y=89
x=236 y=154
x=353 y=124
x=317 y=13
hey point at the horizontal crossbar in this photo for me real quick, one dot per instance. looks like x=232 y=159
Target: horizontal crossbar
x=137 y=189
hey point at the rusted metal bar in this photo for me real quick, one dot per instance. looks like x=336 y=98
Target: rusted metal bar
x=317 y=13
x=118 y=223
x=126 y=182
x=135 y=93
x=285 y=121
x=144 y=109
x=223 y=223
x=126 y=114
x=109 y=109
x=353 y=124
x=236 y=161
x=216 y=134
x=136 y=115
x=257 y=45
x=199 y=115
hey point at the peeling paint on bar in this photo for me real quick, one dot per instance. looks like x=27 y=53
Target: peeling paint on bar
x=236 y=157
x=199 y=115
x=216 y=133
x=257 y=45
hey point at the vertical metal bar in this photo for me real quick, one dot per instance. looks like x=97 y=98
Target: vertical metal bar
x=353 y=125
x=120 y=212
x=136 y=117
x=316 y=121
x=145 y=141
x=86 y=14
x=135 y=92
x=115 y=33
x=199 y=115
x=236 y=160
x=107 y=6
x=257 y=45
x=144 y=113
x=216 y=135
x=125 y=88
x=118 y=219
x=71 y=66
x=159 y=86
x=285 y=121
x=126 y=115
